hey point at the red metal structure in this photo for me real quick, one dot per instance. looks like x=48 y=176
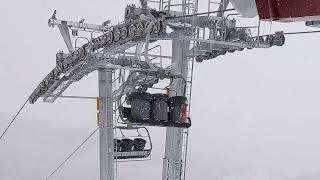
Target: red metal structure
x=288 y=10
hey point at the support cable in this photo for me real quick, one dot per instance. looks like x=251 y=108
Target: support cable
x=74 y=152
x=14 y=118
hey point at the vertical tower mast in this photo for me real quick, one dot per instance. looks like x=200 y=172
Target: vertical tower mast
x=172 y=165
x=106 y=125
x=175 y=154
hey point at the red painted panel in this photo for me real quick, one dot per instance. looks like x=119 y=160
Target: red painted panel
x=288 y=10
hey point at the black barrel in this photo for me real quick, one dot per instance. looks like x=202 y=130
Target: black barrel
x=125 y=112
x=139 y=144
x=140 y=105
x=117 y=145
x=126 y=145
x=159 y=107
x=178 y=109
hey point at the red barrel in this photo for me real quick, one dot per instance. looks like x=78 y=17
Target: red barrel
x=178 y=109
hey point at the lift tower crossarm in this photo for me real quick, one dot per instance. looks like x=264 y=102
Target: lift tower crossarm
x=77 y=25
x=65 y=25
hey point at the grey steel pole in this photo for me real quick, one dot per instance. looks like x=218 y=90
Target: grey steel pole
x=172 y=161
x=106 y=129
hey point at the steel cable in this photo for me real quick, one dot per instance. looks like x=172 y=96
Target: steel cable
x=14 y=118
x=74 y=152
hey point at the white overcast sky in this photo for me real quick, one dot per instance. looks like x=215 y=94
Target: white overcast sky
x=255 y=109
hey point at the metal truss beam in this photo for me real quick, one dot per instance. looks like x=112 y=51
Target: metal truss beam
x=95 y=63
x=140 y=54
x=224 y=43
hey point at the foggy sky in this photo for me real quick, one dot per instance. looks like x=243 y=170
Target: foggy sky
x=256 y=109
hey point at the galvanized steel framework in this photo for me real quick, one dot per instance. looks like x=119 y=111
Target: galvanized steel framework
x=118 y=53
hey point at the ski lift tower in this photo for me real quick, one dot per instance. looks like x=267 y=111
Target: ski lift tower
x=129 y=63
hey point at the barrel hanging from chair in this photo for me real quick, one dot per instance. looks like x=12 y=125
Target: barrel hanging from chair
x=140 y=105
x=178 y=109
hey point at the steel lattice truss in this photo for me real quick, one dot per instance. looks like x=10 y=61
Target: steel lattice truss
x=142 y=25
x=129 y=51
x=129 y=59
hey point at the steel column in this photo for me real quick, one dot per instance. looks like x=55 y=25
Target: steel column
x=172 y=161
x=106 y=125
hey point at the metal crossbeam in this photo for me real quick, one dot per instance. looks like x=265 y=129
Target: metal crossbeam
x=78 y=25
x=139 y=54
x=224 y=43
